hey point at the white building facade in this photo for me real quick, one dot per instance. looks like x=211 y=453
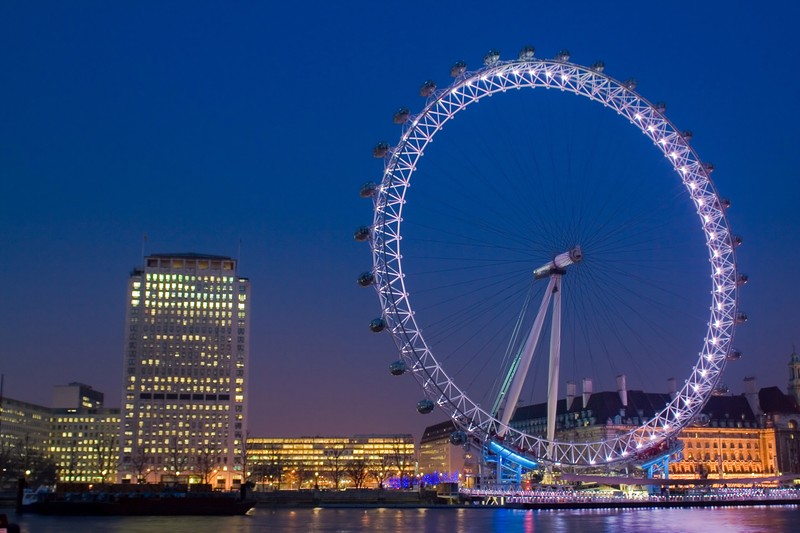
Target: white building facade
x=184 y=412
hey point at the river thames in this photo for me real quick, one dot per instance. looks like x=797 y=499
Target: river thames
x=772 y=519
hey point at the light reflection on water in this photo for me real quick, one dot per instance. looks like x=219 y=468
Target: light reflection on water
x=478 y=520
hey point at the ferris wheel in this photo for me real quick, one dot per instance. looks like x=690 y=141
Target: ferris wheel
x=572 y=262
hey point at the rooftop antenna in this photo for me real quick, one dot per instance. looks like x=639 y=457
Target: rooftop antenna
x=238 y=256
x=2 y=381
x=144 y=242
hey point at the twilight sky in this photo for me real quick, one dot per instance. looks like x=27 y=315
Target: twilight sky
x=202 y=124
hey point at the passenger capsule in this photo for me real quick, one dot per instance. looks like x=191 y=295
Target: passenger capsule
x=380 y=150
x=458 y=438
x=563 y=56
x=629 y=84
x=720 y=390
x=398 y=368
x=427 y=88
x=725 y=203
x=736 y=240
x=598 y=66
x=700 y=420
x=424 y=406
x=661 y=107
x=734 y=355
x=362 y=233
x=527 y=53
x=491 y=57
x=709 y=167
x=365 y=279
x=368 y=190
x=687 y=135
x=401 y=115
x=741 y=318
x=377 y=325
x=458 y=68
x=742 y=279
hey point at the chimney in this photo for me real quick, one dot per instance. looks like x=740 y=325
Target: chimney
x=571 y=393
x=622 y=390
x=751 y=393
x=672 y=387
x=587 y=391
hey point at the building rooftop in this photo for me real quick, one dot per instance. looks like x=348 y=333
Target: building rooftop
x=603 y=406
x=438 y=431
x=729 y=408
x=773 y=400
x=191 y=255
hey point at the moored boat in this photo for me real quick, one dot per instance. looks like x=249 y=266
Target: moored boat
x=167 y=502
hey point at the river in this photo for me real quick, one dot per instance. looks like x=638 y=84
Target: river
x=772 y=519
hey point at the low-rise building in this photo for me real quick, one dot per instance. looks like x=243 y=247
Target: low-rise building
x=84 y=444
x=331 y=462
x=753 y=434
x=75 y=440
x=24 y=441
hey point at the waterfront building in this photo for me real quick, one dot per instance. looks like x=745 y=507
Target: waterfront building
x=84 y=435
x=591 y=416
x=332 y=462
x=441 y=460
x=84 y=444
x=782 y=415
x=794 y=376
x=729 y=439
x=76 y=439
x=752 y=434
x=24 y=441
x=76 y=396
x=184 y=413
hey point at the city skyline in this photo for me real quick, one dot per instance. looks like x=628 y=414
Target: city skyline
x=247 y=133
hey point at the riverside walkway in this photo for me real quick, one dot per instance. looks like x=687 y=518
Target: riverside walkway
x=565 y=498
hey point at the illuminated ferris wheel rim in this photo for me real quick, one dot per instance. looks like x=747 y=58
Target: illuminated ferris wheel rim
x=400 y=163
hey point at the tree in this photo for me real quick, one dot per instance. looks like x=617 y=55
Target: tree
x=26 y=454
x=242 y=459
x=177 y=455
x=334 y=458
x=106 y=459
x=380 y=469
x=206 y=463
x=23 y=459
x=269 y=469
x=7 y=463
x=357 y=470
x=302 y=473
x=69 y=473
x=401 y=460
x=139 y=462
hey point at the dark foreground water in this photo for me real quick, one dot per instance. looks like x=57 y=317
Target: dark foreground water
x=727 y=520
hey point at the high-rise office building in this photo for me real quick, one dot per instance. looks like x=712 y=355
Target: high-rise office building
x=76 y=396
x=184 y=412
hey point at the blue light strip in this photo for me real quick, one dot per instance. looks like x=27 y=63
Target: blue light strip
x=510 y=455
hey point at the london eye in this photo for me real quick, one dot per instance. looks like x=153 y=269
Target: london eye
x=543 y=241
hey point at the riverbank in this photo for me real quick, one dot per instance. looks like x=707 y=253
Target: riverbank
x=348 y=498
x=429 y=499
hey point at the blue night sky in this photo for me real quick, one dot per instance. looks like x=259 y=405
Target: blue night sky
x=203 y=124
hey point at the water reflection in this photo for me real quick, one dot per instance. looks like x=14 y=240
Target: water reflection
x=772 y=519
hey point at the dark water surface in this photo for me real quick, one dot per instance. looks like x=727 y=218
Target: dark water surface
x=771 y=519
